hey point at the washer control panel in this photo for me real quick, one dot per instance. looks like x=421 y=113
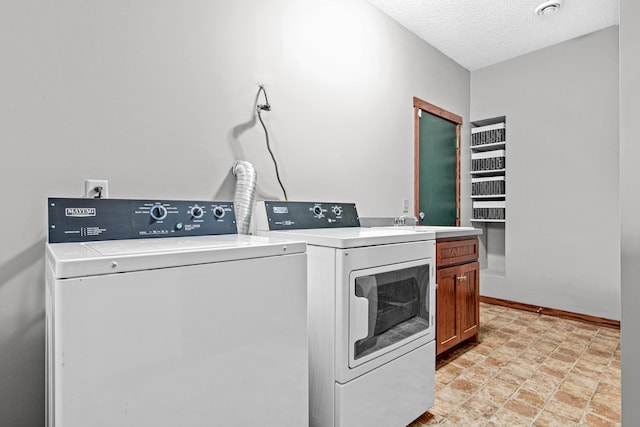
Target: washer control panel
x=84 y=220
x=300 y=215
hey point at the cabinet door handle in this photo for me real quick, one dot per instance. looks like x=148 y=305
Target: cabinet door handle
x=462 y=277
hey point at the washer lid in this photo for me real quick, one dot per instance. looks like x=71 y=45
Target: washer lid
x=352 y=237
x=117 y=256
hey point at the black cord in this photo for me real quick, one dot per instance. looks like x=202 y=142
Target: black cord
x=259 y=109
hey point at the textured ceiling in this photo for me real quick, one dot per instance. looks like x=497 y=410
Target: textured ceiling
x=479 y=33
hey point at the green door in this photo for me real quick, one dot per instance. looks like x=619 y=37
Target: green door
x=437 y=179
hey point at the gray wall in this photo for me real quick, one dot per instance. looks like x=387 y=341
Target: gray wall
x=562 y=235
x=158 y=98
x=630 y=206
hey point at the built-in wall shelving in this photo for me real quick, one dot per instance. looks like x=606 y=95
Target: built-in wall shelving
x=488 y=170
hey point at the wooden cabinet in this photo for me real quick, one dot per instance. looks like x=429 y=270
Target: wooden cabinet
x=458 y=293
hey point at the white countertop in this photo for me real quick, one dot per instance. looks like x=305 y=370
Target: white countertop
x=441 y=232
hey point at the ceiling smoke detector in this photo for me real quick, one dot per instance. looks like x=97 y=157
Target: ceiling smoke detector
x=548 y=7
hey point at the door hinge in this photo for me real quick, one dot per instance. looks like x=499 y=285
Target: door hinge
x=457 y=213
x=419 y=113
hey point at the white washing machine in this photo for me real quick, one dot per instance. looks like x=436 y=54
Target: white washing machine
x=371 y=314
x=202 y=328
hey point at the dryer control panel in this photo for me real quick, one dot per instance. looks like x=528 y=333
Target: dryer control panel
x=84 y=220
x=301 y=215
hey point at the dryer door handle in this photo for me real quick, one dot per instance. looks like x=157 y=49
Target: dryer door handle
x=359 y=322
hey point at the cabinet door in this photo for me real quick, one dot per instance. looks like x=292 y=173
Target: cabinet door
x=468 y=297
x=447 y=332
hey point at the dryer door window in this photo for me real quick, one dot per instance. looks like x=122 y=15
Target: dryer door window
x=389 y=306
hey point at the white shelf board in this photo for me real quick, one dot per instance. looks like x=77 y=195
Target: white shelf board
x=489 y=172
x=487 y=147
x=491 y=121
x=489 y=196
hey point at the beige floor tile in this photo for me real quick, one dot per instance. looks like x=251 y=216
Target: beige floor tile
x=497 y=363
x=596 y=360
x=559 y=365
x=567 y=411
x=611 y=413
x=576 y=343
x=464 y=385
x=563 y=357
x=546 y=380
x=514 y=369
x=463 y=362
x=531 y=398
x=448 y=373
x=533 y=356
x=522 y=409
x=544 y=347
x=570 y=399
x=496 y=392
x=474 y=356
x=587 y=327
x=598 y=351
x=572 y=353
x=526 y=365
x=485 y=348
x=553 y=372
x=549 y=419
x=463 y=417
x=482 y=407
x=586 y=371
x=513 y=329
x=505 y=417
x=611 y=375
x=543 y=390
x=443 y=407
x=480 y=374
x=582 y=380
x=588 y=365
x=576 y=389
x=591 y=420
x=610 y=389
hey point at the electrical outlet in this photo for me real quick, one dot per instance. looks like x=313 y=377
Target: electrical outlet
x=405 y=205
x=96 y=188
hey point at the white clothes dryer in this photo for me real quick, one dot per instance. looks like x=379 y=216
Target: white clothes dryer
x=203 y=328
x=371 y=314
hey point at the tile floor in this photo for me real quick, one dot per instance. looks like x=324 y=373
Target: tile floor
x=529 y=370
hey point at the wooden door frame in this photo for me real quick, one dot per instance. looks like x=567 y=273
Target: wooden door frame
x=419 y=104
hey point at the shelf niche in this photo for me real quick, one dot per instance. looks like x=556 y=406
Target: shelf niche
x=488 y=192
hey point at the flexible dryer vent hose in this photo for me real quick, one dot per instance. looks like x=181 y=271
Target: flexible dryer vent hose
x=244 y=197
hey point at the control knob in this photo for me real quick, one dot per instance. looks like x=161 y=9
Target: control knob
x=317 y=211
x=197 y=212
x=337 y=210
x=218 y=212
x=158 y=212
